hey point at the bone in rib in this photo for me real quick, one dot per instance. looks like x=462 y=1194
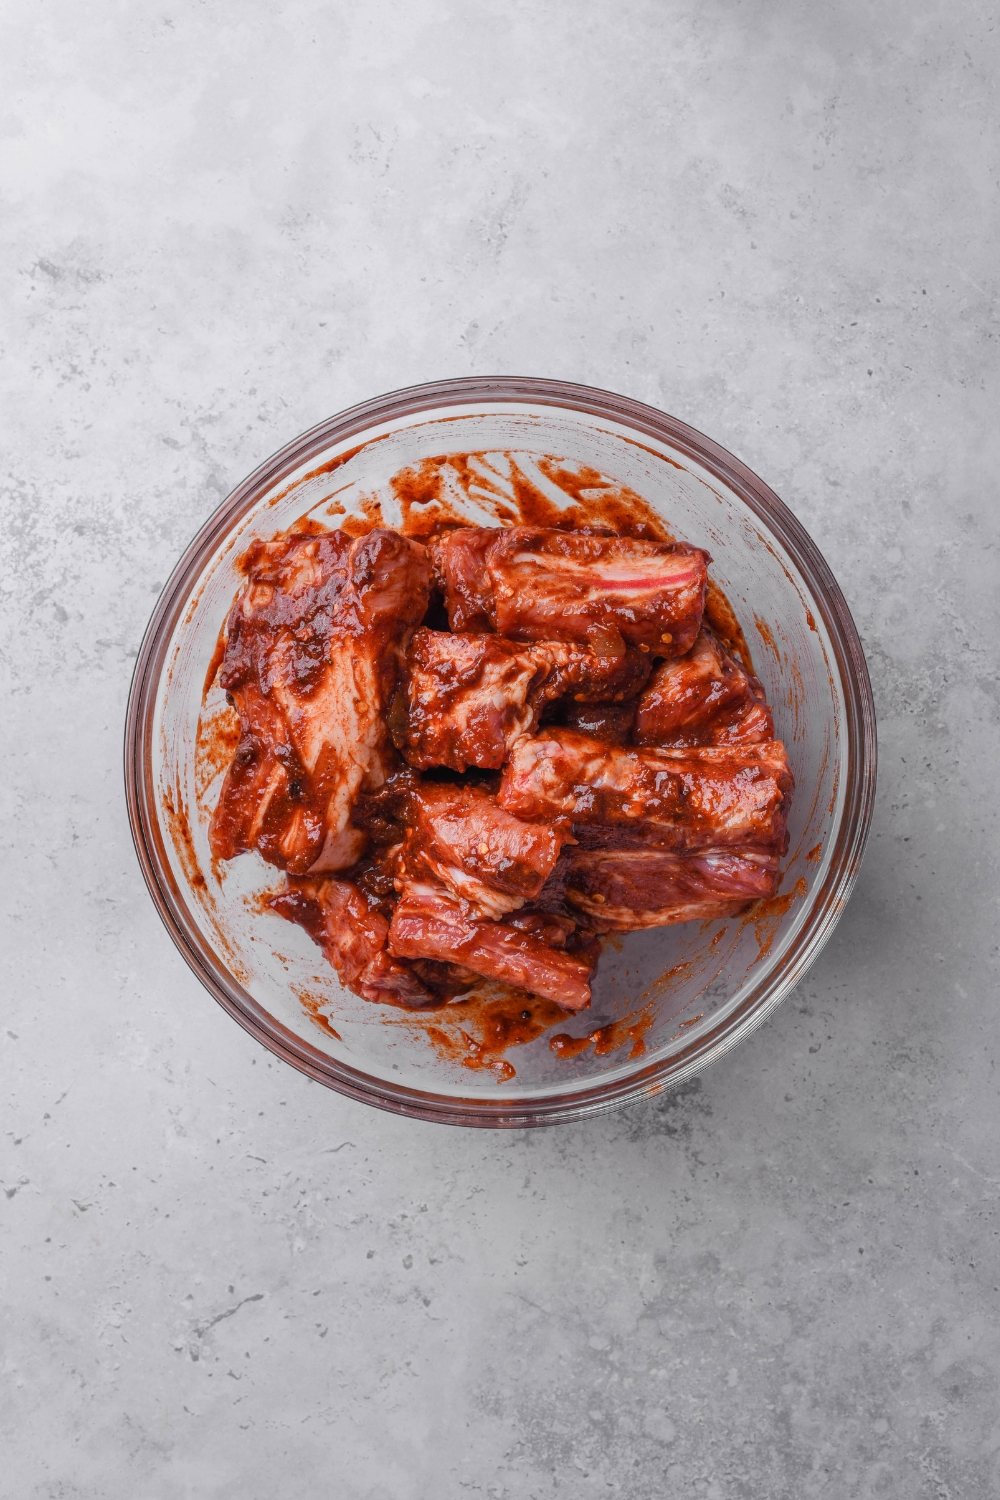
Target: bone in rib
x=314 y=645
x=537 y=583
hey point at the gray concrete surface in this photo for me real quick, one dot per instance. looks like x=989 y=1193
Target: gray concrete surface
x=223 y=222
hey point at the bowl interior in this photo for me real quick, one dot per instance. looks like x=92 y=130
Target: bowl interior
x=660 y=992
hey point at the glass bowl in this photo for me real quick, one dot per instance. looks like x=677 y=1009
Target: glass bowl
x=667 y=1001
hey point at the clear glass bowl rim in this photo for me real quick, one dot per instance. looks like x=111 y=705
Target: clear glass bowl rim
x=825 y=903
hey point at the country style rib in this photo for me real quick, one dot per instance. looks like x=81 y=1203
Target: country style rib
x=430 y=923
x=469 y=698
x=624 y=889
x=706 y=697
x=484 y=855
x=537 y=583
x=352 y=937
x=682 y=799
x=313 y=650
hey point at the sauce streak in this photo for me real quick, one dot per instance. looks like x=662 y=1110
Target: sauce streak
x=606 y=1039
x=518 y=489
x=180 y=828
x=765 y=916
x=477 y=1029
x=218 y=737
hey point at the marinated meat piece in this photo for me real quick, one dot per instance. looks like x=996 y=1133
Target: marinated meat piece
x=470 y=698
x=261 y=804
x=558 y=585
x=604 y=671
x=537 y=583
x=554 y=928
x=376 y=878
x=459 y=562
x=551 y=920
x=621 y=890
x=482 y=854
x=313 y=650
x=704 y=698
x=444 y=980
x=430 y=923
x=352 y=938
x=684 y=799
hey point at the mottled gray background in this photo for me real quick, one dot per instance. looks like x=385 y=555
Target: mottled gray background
x=223 y=222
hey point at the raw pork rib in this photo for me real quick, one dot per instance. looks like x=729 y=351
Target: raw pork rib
x=352 y=937
x=470 y=698
x=680 y=799
x=482 y=854
x=430 y=923
x=459 y=561
x=704 y=698
x=623 y=889
x=543 y=584
x=314 y=645
x=660 y=836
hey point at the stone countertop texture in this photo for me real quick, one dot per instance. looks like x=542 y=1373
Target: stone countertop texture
x=223 y=222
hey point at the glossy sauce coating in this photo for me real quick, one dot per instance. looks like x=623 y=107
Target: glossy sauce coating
x=429 y=923
x=485 y=856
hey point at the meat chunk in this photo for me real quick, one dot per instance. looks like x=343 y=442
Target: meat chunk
x=557 y=585
x=261 y=806
x=459 y=561
x=470 y=698
x=352 y=937
x=624 y=889
x=704 y=698
x=604 y=671
x=683 y=799
x=484 y=855
x=430 y=923
x=314 y=647
x=537 y=583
